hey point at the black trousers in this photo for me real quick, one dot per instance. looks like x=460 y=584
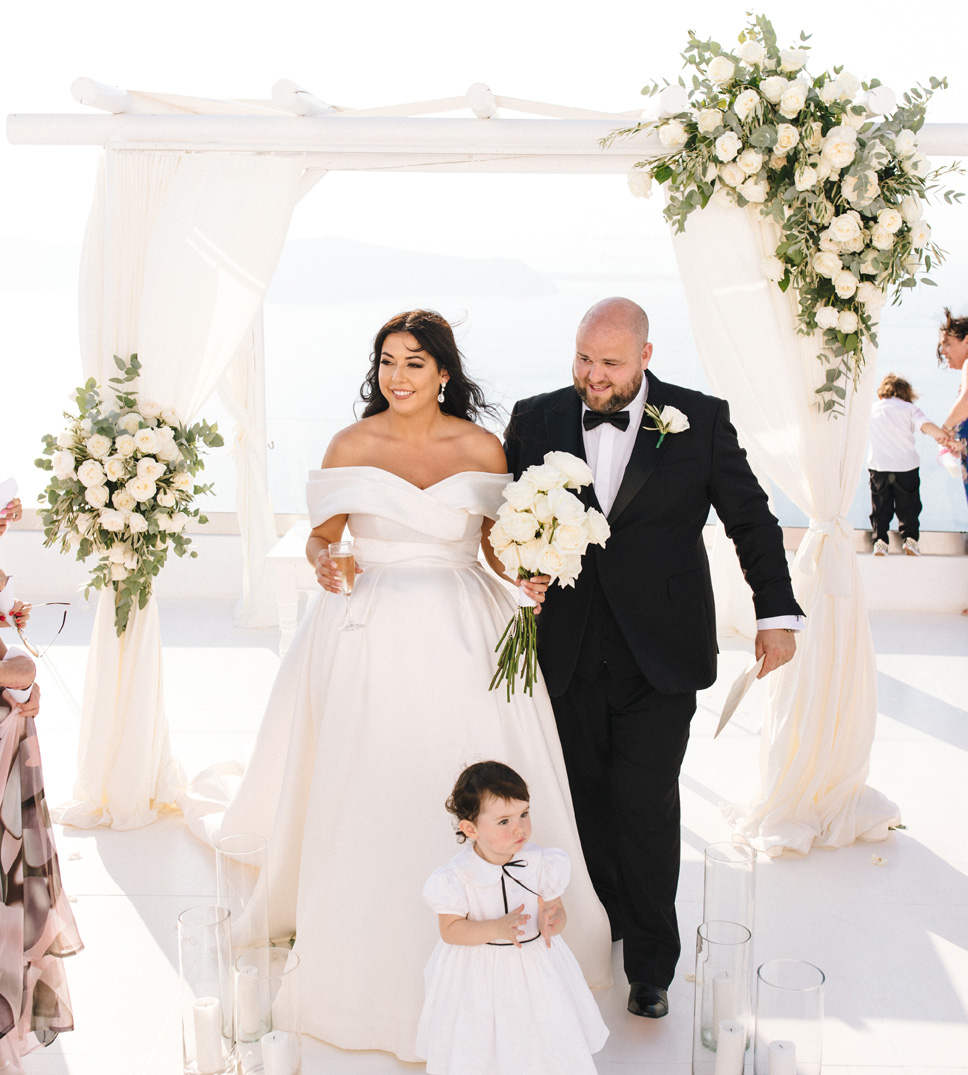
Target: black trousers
x=896 y=493
x=623 y=744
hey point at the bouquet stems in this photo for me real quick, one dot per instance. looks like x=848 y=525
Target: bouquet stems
x=520 y=640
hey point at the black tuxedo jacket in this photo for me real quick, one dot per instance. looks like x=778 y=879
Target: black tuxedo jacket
x=653 y=570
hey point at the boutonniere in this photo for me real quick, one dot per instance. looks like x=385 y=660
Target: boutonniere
x=668 y=420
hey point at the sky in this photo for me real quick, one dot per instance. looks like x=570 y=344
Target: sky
x=366 y=54
x=382 y=51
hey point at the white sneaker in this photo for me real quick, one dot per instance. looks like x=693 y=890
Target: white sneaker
x=880 y=548
x=910 y=547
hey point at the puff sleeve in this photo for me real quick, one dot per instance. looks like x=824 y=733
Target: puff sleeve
x=444 y=892
x=554 y=873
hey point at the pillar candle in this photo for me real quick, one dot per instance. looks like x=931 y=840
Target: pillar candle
x=208 y=1036
x=730 y=1048
x=724 y=1000
x=276 y=1054
x=250 y=1017
x=783 y=1058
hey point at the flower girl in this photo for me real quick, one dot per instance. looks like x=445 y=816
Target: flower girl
x=493 y=1012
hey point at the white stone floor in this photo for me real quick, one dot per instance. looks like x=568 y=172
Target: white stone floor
x=892 y=939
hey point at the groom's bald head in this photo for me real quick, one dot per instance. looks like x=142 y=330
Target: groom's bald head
x=618 y=314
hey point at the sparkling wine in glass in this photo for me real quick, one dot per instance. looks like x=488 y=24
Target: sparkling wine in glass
x=341 y=552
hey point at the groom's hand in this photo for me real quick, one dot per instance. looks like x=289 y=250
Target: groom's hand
x=778 y=646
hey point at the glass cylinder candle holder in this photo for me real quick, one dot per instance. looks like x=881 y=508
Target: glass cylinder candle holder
x=267 y=1011
x=729 y=884
x=722 y=1020
x=205 y=966
x=240 y=870
x=789 y=1018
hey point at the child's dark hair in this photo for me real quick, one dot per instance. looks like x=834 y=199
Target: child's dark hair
x=478 y=781
x=894 y=387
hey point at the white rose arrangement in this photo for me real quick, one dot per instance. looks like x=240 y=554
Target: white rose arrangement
x=123 y=486
x=541 y=529
x=834 y=161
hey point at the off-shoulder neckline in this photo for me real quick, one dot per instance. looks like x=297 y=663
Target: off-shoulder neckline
x=412 y=485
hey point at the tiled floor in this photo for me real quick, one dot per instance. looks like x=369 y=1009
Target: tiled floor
x=892 y=939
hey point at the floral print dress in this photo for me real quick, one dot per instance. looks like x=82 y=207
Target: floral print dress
x=37 y=926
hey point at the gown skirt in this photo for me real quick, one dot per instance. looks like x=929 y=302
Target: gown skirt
x=365 y=733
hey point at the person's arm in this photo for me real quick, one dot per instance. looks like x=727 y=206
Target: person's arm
x=959 y=412
x=551 y=918
x=338 y=454
x=454 y=929
x=744 y=509
x=942 y=436
x=17 y=672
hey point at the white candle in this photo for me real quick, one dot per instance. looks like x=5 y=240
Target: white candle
x=730 y=1048
x=276 y=1054
x=724 y=1000
x=250 y=1021
x=783 y=1058
x=208 y=1036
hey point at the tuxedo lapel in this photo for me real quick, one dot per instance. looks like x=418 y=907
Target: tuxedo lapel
x=644 y=456
x=564 y=435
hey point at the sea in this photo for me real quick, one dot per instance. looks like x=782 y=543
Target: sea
x=515 y=305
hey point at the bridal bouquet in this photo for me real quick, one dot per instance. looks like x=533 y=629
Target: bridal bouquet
x=541 y=529
x=123 y=486
x=833 y=160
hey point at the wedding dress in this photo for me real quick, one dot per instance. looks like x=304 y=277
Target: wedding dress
x=363 y=737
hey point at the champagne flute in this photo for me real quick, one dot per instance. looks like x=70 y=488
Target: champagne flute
x=342 y=553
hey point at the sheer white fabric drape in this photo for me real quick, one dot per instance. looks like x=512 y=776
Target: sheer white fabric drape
x=178 y=255
x=242 y=390
x=821 y=712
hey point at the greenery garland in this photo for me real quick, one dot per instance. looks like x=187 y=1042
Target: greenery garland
x=834 y=161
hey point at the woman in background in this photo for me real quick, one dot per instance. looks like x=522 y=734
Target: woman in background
x=37 y=927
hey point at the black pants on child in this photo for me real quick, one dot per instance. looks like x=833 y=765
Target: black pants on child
x=895 y=493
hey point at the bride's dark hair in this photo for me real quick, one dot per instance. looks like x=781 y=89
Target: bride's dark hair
x=462 y=397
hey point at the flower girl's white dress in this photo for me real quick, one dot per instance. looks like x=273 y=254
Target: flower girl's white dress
x=363 y=737
x=496 y=1009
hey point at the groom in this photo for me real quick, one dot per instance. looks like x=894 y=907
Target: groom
x=624 y=652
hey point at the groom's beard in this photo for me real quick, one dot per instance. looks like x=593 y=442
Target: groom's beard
x=615 y=402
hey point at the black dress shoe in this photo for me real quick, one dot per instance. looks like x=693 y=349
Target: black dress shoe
x=649 y=1001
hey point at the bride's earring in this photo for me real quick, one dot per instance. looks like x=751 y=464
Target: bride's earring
x=440 y=394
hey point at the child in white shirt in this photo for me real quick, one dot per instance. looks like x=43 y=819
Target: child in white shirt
x=893 y=463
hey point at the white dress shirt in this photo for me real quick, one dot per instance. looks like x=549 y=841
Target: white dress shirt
x=608 y=451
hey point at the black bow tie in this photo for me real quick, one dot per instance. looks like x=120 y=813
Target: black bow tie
x=590 y=419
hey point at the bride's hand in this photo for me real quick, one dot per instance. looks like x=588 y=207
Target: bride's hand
x=535 y=588
x=327 y=574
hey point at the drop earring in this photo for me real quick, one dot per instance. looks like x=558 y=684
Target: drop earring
x=440 y=394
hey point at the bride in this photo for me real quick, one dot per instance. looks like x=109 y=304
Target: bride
x=366 y=730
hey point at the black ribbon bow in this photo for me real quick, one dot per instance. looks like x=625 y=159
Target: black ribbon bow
x=504 y=893
x=620 y=419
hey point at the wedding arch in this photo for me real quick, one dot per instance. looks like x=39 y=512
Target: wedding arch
x=193 y=202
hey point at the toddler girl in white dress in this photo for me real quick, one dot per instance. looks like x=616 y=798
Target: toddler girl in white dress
x=504 y=994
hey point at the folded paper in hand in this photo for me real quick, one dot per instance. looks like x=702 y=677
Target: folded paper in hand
x=738 y=691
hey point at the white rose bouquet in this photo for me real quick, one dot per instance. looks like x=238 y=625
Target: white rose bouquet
x=123 y=486
x=541 y=529
x=834 y=161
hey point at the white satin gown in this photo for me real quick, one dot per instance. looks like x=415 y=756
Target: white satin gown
x=363 y=737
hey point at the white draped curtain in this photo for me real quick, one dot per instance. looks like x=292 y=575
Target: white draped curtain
x=822 y=707
x=178 y=255
x=242 y=390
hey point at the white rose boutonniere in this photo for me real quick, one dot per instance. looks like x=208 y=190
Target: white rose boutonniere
x=668 y=420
